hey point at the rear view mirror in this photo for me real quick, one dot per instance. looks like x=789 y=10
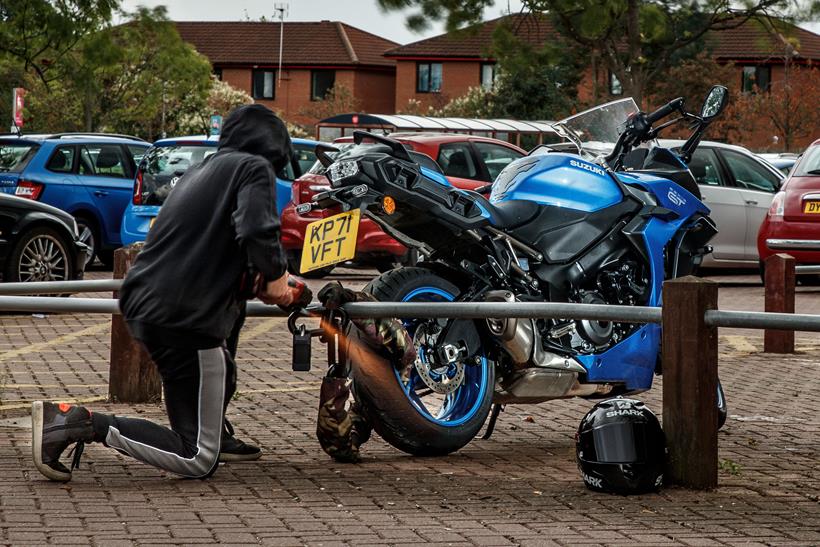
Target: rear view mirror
x=715 y=102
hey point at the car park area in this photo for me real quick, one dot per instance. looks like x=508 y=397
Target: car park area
x=519 y=487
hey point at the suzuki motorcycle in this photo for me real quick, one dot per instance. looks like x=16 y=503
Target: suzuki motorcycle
x=603 y=217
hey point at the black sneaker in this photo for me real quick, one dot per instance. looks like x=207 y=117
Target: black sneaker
x=54 y=428
x=234 y=450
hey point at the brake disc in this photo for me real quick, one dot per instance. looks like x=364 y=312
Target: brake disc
x=443 y=380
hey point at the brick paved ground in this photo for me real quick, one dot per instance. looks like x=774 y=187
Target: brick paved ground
x=520 y=487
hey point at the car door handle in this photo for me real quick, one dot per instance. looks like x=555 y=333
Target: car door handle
x=100 y=193
x=751 y=202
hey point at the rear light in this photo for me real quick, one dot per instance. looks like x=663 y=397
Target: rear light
x=29 y=189
x=302 y=191
x=778 y=204
x=136 y=199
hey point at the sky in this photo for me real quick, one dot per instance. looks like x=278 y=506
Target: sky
x=364 y=14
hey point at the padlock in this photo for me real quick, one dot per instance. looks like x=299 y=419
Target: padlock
x=301 y=349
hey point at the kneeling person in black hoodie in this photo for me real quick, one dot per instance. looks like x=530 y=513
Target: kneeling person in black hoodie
x=181 y=301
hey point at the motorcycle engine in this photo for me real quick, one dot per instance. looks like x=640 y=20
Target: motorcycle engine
x=622 y=283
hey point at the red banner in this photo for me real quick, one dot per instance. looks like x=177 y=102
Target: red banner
x=19 y=94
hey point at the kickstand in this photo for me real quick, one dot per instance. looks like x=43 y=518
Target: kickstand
x=497 y=409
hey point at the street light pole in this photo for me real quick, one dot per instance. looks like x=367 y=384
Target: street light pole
x=282 y=8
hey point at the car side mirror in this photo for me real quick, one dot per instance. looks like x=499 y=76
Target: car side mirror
x=715 y=103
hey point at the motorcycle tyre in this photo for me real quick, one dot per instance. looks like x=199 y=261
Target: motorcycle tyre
x=377 y=390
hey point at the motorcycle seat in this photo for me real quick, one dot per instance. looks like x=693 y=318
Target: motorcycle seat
x=509 y=214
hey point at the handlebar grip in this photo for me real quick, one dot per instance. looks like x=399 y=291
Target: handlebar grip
x=665 y=110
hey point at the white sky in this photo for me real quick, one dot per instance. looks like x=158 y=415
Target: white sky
x=364 y=14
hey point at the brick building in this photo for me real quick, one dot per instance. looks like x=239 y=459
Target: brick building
x=316 y=56
x=435 y=70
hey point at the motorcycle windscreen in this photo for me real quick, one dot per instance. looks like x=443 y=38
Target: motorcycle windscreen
x=622 y=442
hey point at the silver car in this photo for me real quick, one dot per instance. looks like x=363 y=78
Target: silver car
x=738 y=187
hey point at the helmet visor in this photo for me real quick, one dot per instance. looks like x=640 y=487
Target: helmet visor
x=622 y=442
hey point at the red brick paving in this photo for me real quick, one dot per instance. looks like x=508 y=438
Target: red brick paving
x=519 y=488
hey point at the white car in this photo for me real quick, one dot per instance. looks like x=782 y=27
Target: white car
x=738 y=187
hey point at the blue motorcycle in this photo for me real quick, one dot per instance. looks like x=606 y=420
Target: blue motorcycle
x=603 y=217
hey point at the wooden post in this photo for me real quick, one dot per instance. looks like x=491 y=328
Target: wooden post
x=133 y=377
x=690 y=377
x=779 y=274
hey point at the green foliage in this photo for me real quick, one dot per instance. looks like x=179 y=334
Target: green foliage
x=221 y=99
x=456 y=13
x=122 y=79
x=39 y=33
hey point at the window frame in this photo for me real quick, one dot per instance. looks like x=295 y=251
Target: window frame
x=480 y=173
x=726 y=180
x=429 y=65
x=755 y=84
x=481 y=67
x=125 y=160
x=485 y=170
x=724 y=154
x=313 y=74
x=261 y=70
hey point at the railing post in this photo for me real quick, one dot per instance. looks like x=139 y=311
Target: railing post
x=780 y=279
x=133 y=377
x=690 y=376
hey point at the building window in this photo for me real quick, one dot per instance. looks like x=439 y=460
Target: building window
x=488 y=76
x=263 y=83
x=321 y=82
x=615 y=87
x=218 y=73
x=756 y=76
x=428 y=77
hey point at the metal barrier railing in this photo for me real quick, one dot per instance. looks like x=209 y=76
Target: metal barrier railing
x=61 y=287
x=806 y=270
x=690 y=356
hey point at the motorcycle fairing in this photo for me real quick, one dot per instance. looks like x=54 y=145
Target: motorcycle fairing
x=669 y=194
x=558 y=179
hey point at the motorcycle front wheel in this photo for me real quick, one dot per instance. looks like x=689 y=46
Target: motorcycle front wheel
x=438 y=410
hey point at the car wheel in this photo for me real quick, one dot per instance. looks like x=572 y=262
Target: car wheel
x=89 y=236
x=106 y=257
x=39 y=255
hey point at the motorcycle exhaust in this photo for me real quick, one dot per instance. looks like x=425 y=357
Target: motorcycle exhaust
x=522 y=341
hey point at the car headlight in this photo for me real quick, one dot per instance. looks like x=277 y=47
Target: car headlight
x=341 y=170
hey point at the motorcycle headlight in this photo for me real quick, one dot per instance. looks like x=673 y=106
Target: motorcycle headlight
x=341 y=170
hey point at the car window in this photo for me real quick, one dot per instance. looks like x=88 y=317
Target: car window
x=137 y=152
x=749 y=174
x=706 y=168
x=62 y=160
x=456 y=160
x=425 y=161
x=305 y=156
x=495 y=157
x=809 y=164
x=164 y=165
x=15 y=156
x=104 y=160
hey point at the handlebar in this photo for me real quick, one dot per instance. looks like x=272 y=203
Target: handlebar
x=665 y=110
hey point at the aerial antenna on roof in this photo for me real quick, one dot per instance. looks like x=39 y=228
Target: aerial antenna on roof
x=282 y=8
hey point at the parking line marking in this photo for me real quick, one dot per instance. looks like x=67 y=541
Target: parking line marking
x=33 y=348
x=259 y=329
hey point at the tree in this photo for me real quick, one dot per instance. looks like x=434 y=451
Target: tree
x=638 y=41
x=39 y=33
x=221 y=99
x=138 y=78
x=339 y=99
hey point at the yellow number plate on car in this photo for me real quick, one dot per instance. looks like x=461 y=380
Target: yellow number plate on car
x=330 y=241
x=812 y=207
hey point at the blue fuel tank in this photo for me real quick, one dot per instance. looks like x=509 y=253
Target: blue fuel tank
x=562 y=180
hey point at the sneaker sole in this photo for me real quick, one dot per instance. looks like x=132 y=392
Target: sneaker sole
x=225 y=457
x=37 y=445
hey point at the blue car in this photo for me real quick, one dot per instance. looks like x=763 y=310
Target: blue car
x=168 y=160
x=87 y=175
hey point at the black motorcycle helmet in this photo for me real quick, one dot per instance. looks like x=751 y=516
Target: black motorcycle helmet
x=620 y=448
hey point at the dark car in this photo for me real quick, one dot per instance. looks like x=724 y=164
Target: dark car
x=38 y=242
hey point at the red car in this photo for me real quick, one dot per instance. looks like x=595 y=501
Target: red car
x=468 y=162
x=792 y=225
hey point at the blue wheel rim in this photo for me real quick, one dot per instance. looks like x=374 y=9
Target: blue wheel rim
x=462 y=404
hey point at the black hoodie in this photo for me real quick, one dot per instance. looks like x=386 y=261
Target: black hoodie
x=219 y=220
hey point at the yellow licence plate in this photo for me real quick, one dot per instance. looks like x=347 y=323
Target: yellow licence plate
x=812 y=207
x=330 y=241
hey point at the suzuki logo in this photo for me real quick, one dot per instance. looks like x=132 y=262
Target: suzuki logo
x=676 y=198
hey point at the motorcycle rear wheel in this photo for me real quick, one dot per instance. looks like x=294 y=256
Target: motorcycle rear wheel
x=400 y=412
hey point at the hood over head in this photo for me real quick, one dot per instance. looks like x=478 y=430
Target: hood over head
x=255 y=129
